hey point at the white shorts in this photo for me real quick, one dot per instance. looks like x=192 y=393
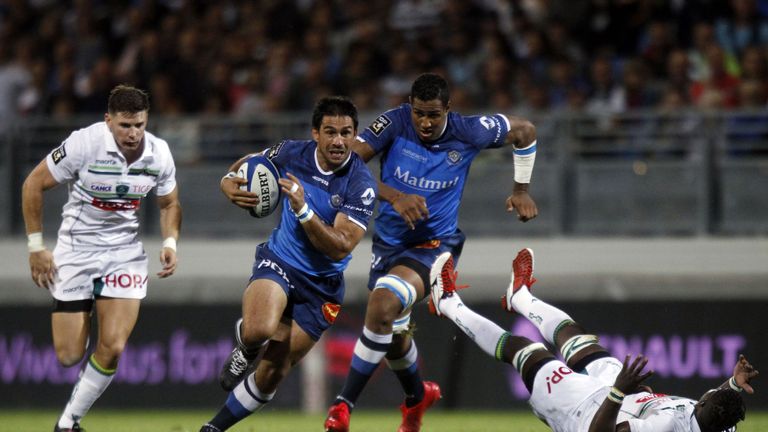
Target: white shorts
x=84 y=275
x=567 y=400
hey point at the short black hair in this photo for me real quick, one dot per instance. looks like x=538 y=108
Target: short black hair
x=333 y=106
x=727 y=408
x=430 y=86
x=127 y=99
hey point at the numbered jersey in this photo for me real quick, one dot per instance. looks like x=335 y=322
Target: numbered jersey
x=653 y=412
x=435 y=170
x=104 y=191
x=350 y=189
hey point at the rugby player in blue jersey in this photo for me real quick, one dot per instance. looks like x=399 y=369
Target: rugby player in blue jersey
x=297 y=285
x=426 y=151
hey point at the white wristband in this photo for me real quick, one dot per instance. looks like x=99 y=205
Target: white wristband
x=307 y=216
x=524 y=159
x=35 y=242
x=304 y=214
x=170 y=243
x=302 y=210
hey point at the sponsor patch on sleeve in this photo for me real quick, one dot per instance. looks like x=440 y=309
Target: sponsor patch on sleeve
x=275 y=150
x=378 y=125
x=59 y=154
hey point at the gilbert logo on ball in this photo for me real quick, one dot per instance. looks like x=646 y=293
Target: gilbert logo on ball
x=262 y=177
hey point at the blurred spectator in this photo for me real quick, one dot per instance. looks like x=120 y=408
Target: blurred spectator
x=752 y=94
x=603 y=96
x=656 y=46
x=15 y=78
x=678 y=76
x=248 y=57
x=703 y=38
x=720 y=89
x=754 y=64
x=742 y=28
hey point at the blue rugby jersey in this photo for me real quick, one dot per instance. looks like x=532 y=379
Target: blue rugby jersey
x=436 y=170
x=351 y=190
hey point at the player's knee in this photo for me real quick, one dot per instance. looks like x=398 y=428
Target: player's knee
x=69 y=357
x=393 y=293
x=579 y=346
x=111 y=350
x=254 y=335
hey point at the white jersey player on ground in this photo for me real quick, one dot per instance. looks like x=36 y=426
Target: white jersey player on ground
x=591 y=391
x=109 y=167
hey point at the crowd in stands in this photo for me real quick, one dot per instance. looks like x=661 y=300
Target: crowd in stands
x=244 y=57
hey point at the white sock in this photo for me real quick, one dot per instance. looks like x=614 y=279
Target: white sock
x=484 y=332
x=544 y=316
x=89 y=387
x=249 y=396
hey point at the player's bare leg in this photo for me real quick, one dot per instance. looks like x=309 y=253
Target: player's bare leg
x=117 y=317
x=288 y=345
x=263 y=305
x=70 y=332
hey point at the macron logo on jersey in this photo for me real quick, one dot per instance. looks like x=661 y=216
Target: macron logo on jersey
x=424 y=183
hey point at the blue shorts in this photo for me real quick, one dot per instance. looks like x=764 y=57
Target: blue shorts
x=417 y=256
x=314 y=302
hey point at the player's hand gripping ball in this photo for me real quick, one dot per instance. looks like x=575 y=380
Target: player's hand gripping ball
x=262 y=177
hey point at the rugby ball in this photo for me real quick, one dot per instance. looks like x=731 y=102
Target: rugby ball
x=262 y=177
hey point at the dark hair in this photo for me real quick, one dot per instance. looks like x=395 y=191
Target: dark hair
x=727 y=408
x=430 y=86
x=333 y=106
x=127 y=99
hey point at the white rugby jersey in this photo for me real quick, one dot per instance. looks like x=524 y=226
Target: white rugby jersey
x=105 y=192
x=654 y=412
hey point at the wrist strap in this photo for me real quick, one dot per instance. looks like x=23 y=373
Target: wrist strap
x=615 y=395
x=35 y=242
x=170 y=243
x=732 y=384
x=304 y=214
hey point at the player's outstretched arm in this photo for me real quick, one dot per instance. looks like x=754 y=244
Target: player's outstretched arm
x=743 y=372
x=41 y=265
x=230 y=187
x=628 y=381
x=522 y=136
x=170 y=226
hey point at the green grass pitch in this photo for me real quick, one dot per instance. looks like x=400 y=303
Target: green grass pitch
x=291 y=421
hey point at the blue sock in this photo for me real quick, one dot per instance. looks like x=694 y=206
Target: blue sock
x=369 y=350
x=243 y=401
x=407 y=370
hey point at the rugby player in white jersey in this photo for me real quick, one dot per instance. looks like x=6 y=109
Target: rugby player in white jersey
x=591 y=391
x=109 y=167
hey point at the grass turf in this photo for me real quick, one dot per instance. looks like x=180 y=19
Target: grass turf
x=291 y=421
